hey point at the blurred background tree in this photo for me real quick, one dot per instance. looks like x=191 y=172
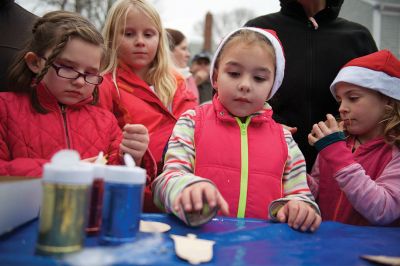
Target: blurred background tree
x=225 y=22
x=94 y=10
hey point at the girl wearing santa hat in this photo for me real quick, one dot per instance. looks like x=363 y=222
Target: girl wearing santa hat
x=230 y=154
x=356 y=177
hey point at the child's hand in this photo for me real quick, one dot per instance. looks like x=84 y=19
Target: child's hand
x=135 y=141
x=299 y=215
x=323 y=129
x=90 y=160
x=192 y=197
x=292 y=130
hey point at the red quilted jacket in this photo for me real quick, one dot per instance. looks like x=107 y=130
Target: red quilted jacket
x=136 y=103
x=29 y=139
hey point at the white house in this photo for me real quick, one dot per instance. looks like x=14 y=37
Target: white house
x=381 y=17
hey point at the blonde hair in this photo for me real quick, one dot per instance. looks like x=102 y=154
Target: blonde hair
x=51 y=32
x=391 y=121
x=160 y=73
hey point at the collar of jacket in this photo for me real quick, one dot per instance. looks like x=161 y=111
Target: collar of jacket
x=223 y=114
x=49 y=102
x=367 y=146
x=125 y=74
x=128 y=81
x=294 y=9
x=132 y=83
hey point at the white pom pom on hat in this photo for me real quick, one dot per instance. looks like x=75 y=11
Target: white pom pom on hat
x=280 y=57
x=379 y=71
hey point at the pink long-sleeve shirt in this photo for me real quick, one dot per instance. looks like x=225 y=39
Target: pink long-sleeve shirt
x=360 y=188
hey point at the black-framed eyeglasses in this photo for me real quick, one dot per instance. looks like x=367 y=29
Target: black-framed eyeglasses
x=70 y=73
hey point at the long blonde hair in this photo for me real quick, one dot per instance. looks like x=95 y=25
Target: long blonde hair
x=160 y=72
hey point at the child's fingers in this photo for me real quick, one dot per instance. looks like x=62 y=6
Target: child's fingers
x=341 y=126
x=134 y=144
x=330 y=120
x=196 y=196
x=293 y=130
x=309 y=219
x=282 y=214
x=178 y=203
x=316 y=223
x=324 y=128
x=186 y=200
x=293 y=210
x=311 y=139
x=300 y=216
x=90 y=160
x=135 y=129
x=223 y=205
x=136 y=137
x=136 y=154
x=211 y=196
x=140 y=138
x=332 y=123
x=316 y=131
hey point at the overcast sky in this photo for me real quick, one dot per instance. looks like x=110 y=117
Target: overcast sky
x=184 y=14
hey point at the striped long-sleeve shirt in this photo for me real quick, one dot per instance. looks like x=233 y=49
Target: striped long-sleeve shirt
x=178 y=172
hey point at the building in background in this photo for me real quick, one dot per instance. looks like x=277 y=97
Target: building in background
x=381 y=17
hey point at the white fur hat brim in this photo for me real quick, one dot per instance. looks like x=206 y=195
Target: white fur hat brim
x=280 y=58
x=370 y=79
x=379 y=71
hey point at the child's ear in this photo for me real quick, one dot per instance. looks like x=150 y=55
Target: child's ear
x=214 y=79
x=33 y=62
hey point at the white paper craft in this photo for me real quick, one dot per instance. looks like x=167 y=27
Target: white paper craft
x=192 y=249
x=153 y=227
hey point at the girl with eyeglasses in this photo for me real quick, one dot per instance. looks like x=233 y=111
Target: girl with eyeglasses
x=53 y=104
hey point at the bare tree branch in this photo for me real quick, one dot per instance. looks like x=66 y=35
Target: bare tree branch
x=93 y=10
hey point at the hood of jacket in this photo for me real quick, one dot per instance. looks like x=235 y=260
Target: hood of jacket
x=294 y=8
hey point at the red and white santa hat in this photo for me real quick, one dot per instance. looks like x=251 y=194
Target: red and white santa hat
x=379 y=71
x=280 y=57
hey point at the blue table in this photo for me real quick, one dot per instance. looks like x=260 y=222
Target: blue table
x=238 y=242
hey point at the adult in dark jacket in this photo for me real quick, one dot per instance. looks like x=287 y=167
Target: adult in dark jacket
x=317 y=44
x=15 y=28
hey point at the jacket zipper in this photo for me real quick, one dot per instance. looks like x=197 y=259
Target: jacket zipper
x=309 y=63
x=64 y=115
x=244 y=166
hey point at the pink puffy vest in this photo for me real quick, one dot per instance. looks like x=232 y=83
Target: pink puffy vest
x=248 y=181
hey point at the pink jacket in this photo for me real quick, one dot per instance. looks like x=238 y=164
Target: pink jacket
x=361 y=188
x=249 y=164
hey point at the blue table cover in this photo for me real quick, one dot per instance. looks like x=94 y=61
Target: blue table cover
x=237 y=242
